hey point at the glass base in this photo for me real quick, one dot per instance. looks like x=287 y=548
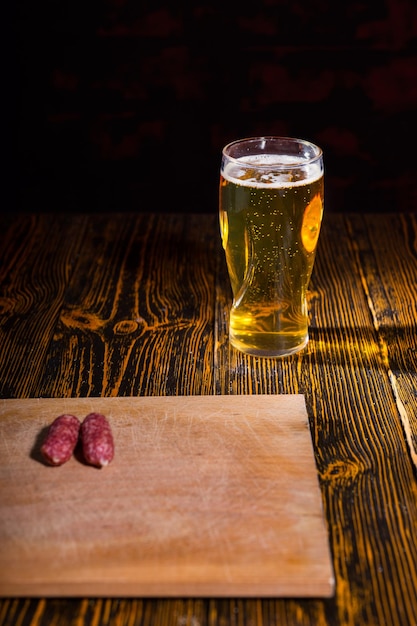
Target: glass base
x=268 y=351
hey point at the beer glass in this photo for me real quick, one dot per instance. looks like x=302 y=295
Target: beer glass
x=271 y=207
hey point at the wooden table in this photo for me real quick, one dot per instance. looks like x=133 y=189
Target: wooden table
x=137 y=305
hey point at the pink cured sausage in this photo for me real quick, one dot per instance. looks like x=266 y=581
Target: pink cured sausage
x=97 y=440
x=61 y=439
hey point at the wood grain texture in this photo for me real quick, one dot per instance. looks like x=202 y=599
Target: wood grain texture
x=362 y=313
x=388 y=261
x=140 y=308
x=36 y=261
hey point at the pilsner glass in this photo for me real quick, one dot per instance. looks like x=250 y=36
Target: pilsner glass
x=271 y=207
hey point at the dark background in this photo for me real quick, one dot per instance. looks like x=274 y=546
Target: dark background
x=125 y=105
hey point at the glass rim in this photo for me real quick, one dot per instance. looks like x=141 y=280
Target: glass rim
x=318 y=152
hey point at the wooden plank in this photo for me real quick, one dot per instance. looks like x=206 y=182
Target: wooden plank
x=387 y=253
x=138 y=315
x=206 y=496
x=36 y=261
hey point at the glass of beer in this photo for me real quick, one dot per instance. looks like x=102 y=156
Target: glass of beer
x=271 y=207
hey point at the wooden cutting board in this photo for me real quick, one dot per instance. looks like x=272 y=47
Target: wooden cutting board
x=206 y=496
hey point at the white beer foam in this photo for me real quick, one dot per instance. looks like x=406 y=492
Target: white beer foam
x=276 y=171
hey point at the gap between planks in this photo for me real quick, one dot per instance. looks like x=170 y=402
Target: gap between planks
x=402 y=411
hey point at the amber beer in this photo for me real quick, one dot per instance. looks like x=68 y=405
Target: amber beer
x=271 y=206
